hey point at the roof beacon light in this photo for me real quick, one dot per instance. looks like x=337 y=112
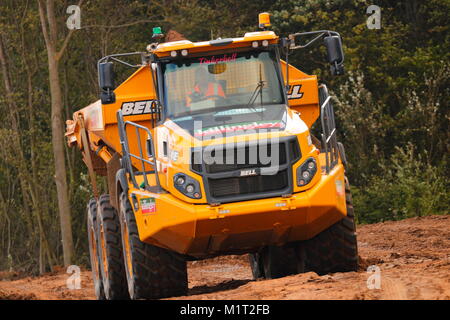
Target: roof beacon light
x=264 y=20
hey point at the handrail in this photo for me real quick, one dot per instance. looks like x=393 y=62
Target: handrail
x=127 y=155
x=329 y=139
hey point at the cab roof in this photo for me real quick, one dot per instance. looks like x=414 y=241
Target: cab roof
x=165 y=48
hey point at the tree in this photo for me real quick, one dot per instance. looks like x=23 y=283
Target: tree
x=50 y=33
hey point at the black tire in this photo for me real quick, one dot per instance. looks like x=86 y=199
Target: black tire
x=273 y=262
x=335 y=249
x=110 y=251
x=93 y=246
x=152 y=272
x=256 y=264
x=280 y=261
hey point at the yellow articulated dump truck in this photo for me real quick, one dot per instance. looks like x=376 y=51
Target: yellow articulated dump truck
x=207 y=150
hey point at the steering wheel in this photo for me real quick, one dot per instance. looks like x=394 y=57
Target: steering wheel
x=215 y=96
x=201 y=97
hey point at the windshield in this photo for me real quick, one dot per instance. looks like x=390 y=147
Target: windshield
x=211 y=85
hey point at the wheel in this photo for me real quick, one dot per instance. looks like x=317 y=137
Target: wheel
x=110 y=249
x=152 y=272
x=335 y=249
x=273 y=262
x=93 y=245
x=256 y=264
x=280 y=261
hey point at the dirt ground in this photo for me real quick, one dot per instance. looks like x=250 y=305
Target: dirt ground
x=413 y=257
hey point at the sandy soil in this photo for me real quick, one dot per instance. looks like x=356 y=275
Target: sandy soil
x=413 y=257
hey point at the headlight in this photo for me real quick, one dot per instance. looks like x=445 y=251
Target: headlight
x=180 y=180
x=187 y=186
x=306 y=172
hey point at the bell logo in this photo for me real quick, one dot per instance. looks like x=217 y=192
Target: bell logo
x=138 y=107
x=294 y=92
x=251 y=172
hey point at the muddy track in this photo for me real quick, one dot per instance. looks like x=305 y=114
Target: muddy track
x=413 y=257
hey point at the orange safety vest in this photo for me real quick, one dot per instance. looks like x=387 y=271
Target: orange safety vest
x=214 y=89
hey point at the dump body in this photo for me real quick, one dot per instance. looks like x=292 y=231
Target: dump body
x=234 y=209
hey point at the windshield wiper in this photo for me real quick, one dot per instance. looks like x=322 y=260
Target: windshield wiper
x=258 y=91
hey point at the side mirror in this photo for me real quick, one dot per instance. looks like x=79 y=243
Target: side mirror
x=106 y=82
x=335 y=54
x=106 y=75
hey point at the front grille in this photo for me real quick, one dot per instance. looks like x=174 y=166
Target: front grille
x=235 y=175
x=248 y=185
x=247 y=157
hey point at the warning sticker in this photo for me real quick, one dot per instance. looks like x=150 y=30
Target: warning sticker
x=340 y=188
x=148 y=205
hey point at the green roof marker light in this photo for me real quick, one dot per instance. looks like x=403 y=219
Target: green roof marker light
x=157 y=33
x=157 y=30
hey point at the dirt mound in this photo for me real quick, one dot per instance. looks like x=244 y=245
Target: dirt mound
x=50 y=286
x=412 y=257
x=4 y=295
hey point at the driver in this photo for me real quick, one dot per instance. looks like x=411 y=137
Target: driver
x=204 y=88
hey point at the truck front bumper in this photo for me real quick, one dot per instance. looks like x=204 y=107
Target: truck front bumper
x=203 y=231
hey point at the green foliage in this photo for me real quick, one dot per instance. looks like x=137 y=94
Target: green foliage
x=394 y=95
x=405 y=186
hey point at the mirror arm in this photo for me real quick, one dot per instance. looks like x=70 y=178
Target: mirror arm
x=305 y=45
x=287 y=69
x=338 y=65
x=320 y=34
x=113 y=57
x=107 y=95
x=126 y=63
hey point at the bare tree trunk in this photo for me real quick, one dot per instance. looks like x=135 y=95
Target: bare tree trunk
x=4 y=208
x=27 y=185
x=41 y=257
x=50 y=36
